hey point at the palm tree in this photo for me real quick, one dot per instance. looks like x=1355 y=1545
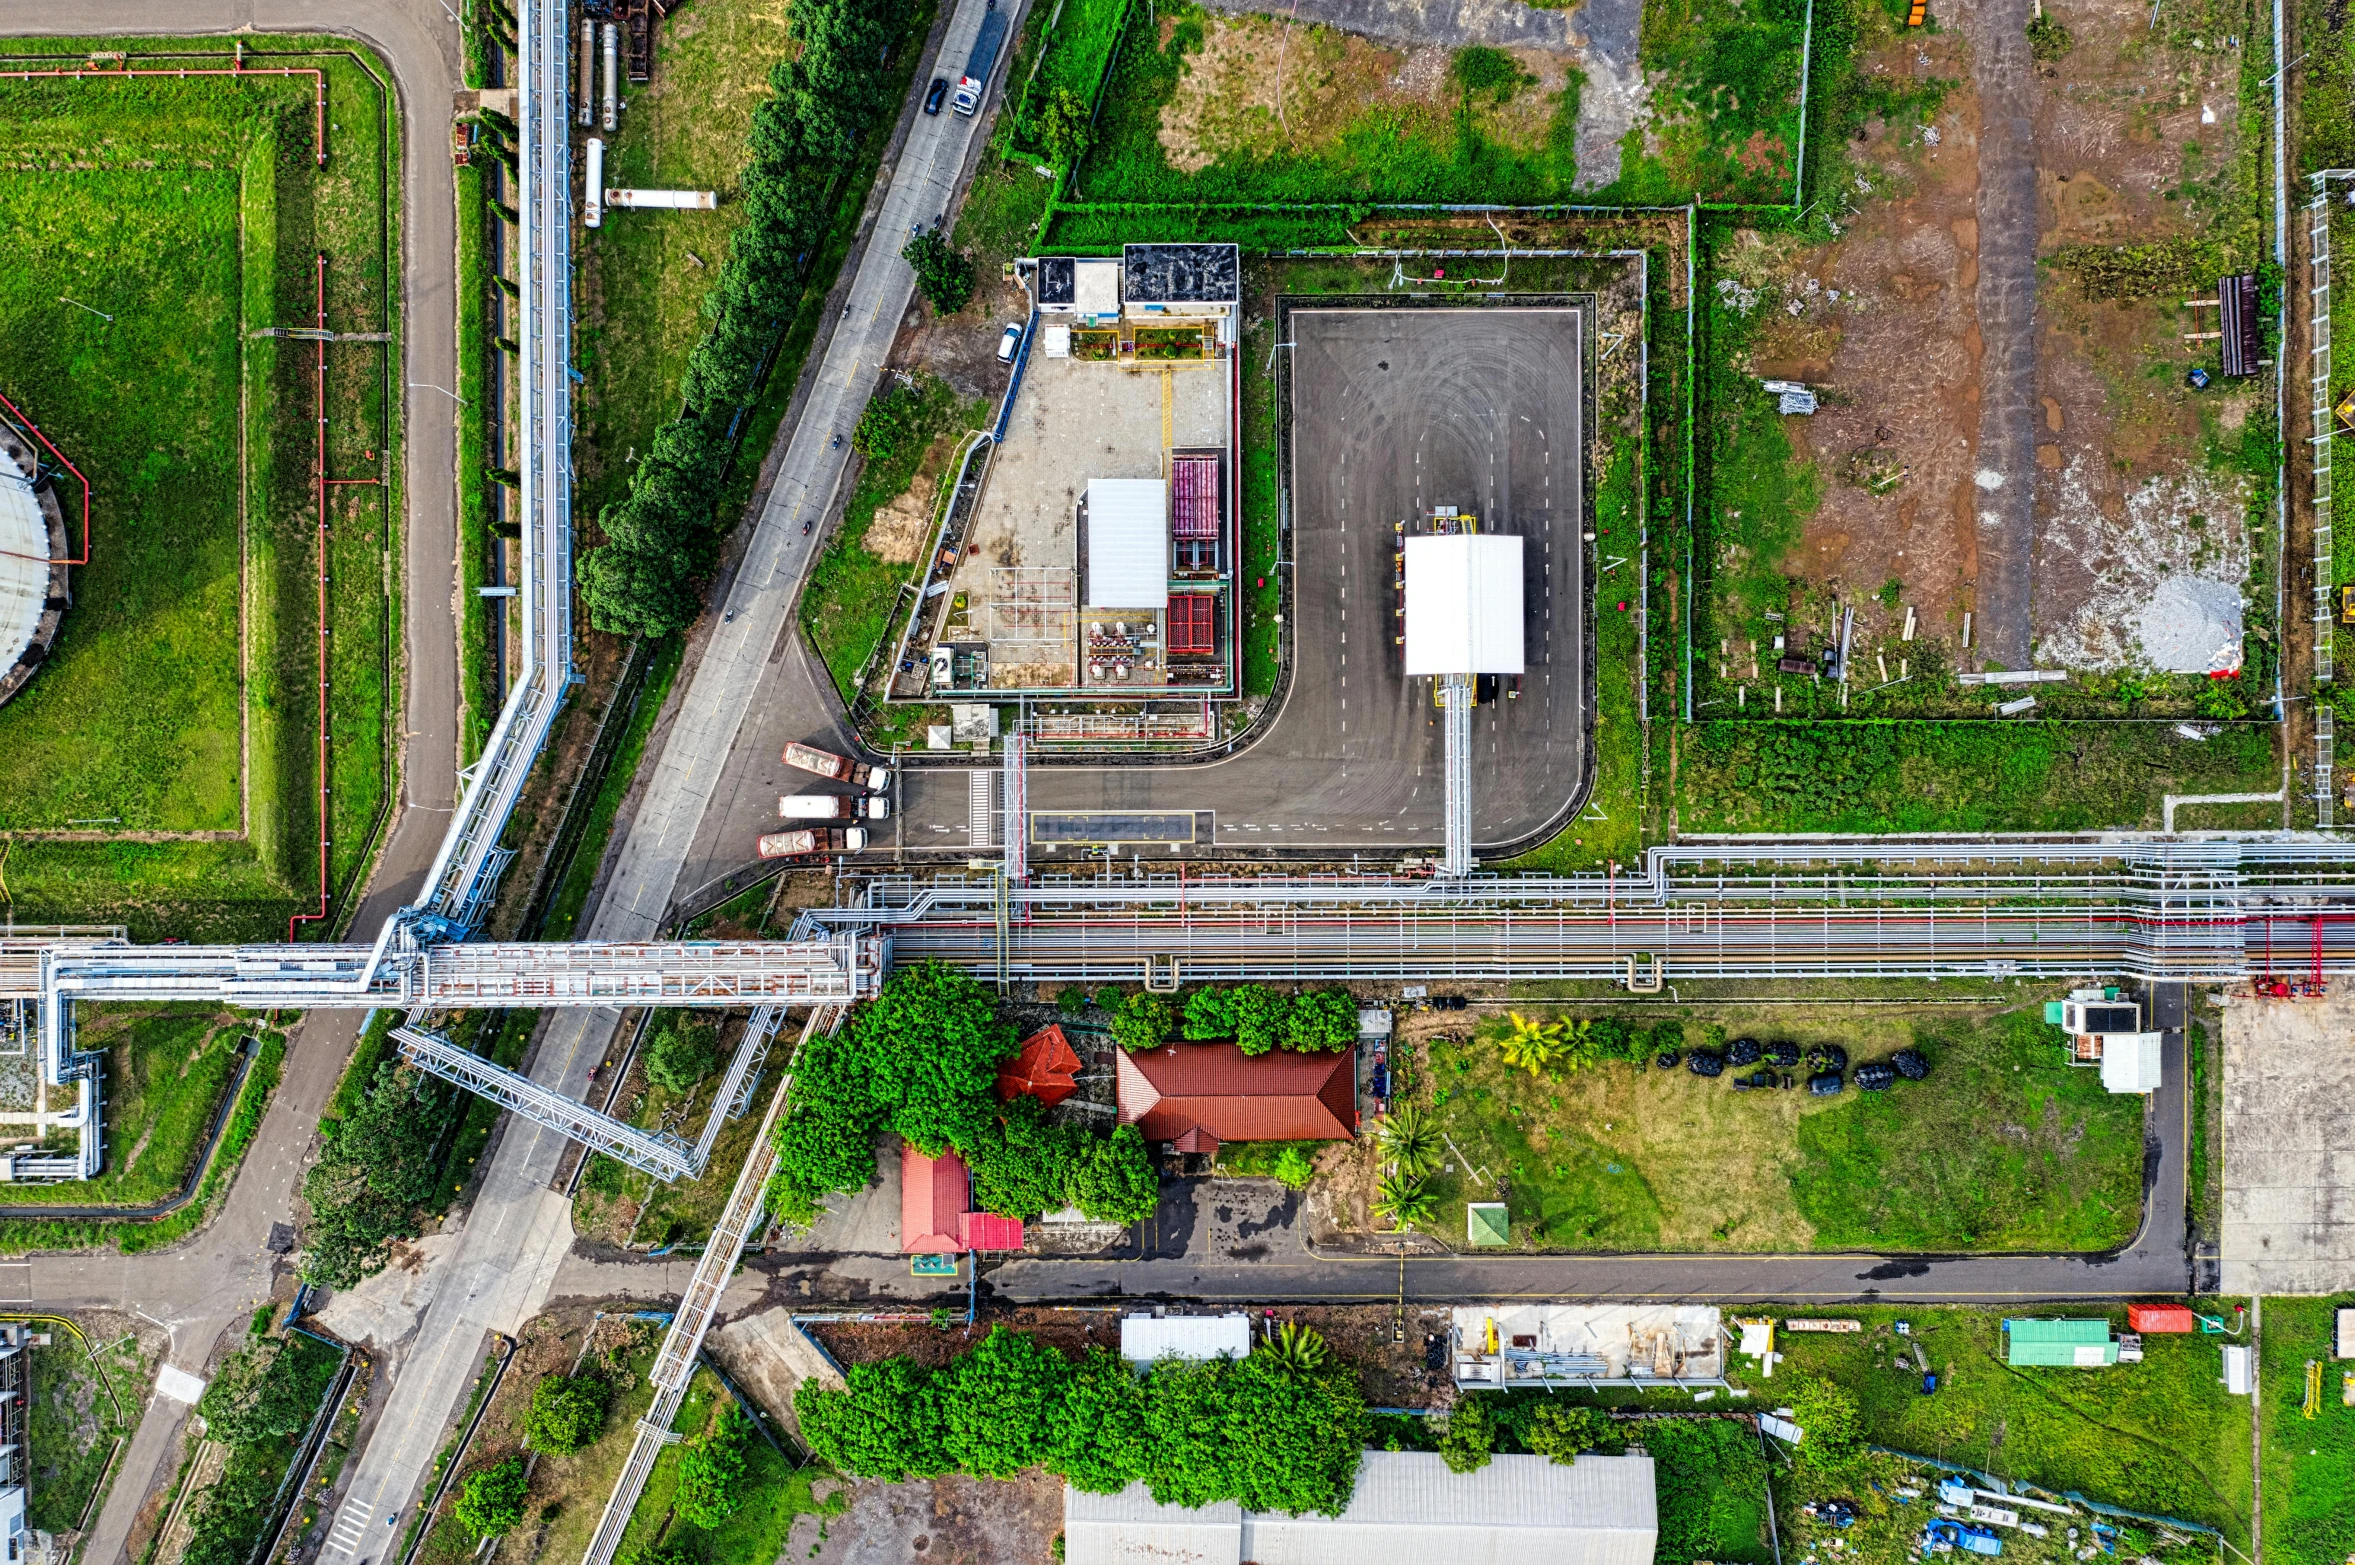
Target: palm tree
x=1530 y=1046
x=1404 y=1200
x=1579 y=1047
x=1300 y=1349
x=1407 y=1141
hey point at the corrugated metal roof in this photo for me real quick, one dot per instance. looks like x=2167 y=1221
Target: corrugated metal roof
x=1408 y=1509
x=1235 y=1096
x=1128 y=1528
x=1128 y=543
x=1145 y=1338
x=989 y=1231
x=2130 y=1062
x=1463 y=604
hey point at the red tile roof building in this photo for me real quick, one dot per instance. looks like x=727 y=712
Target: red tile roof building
x=1196 y=1095
x=934 y=1193
x=1044 y=1069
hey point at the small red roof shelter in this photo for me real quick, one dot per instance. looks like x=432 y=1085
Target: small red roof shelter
x=1044 y=1069
x=1196 y=1095
x=935 y=1209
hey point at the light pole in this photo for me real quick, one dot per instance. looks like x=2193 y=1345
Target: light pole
x=427 y=385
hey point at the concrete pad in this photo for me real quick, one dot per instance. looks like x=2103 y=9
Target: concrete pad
x=770 y=1357
x=383 y=1310
x=864 y=1222
x=2289 y=1146
x=176 y=1383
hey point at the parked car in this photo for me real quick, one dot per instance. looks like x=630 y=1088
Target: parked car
x=1876 y=1077
x=933 y=97
x=1825 y=1084
x=1008 y=341
x=1703 y=1063
x=1742 y=1051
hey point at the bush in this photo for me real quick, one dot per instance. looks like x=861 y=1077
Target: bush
x=1117 y=1183
x=1469 y=1439
x=1259 y=1016
x=2048 y=40
x=1295 y=1166
x=1064 y=132
x=1561 y=1429
x=567 y=1413
x=944 y=274
x=1210 y=1013
x=1142 y=1022
x=371 y=1185
x=1321 y=1019
x=683 y=1051
x=1827 y=1416
x=711 y=1472
x=260 y=1395
x=490 y=1503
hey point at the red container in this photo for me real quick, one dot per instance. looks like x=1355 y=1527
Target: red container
x=2160 y=1317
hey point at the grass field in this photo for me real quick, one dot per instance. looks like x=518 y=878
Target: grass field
x=643 y=275
x=2004 y=1147
x=2161 y=1436
x=2309 y=1462
x=173 y=725
x=72 y=1422
x=776 y=1491
x=166 y=1069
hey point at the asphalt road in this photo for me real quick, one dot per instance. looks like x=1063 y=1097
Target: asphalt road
x=198 y=1289
x=1476 y=408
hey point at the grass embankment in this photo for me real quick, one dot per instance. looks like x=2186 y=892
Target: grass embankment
x=775 y=1489
x=622 y=1205
x=2309 y=1462
x=1206 y=108
x=478 y=677
x=174 y=719
x=2162 y=1436
x=580 y=874
x=72 y=1422
x=2004 y=1147
x=909 y=430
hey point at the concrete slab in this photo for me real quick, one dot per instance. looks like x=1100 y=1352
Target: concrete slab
x=865 y=1222
x=2289 y=1125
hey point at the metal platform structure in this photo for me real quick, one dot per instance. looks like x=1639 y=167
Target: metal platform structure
x=1455 y=704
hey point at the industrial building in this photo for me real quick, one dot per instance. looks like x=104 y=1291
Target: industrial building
x=1147 y=1339
x=1196 y=1096
x=936 y=1215
x=1088 y=550
x=2078 y=1343
x=1408 y=1509
x=34 y=582
x=16 y=1393
x=2105 y=1031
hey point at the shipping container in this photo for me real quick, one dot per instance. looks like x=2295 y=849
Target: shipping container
x=2160 y=1318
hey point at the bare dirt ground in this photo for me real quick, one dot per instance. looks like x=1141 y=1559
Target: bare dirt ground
x=950 y=1521
x=2137 y=547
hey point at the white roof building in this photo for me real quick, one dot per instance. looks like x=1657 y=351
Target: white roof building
x=1463 y=604
x=1127 y=544
x=24 y=561
x=1408 y=1509
x=2130 y=1061
x=1147 y=1338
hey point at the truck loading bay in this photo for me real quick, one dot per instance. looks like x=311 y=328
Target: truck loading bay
x=1396 y=412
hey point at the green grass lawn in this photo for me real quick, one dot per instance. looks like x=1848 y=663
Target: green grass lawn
x=2309 y=1462
x=776 y=1491
x=72 y=1423
x=2161 y=1436
x=2004 y=1147
x=166 y=1069
x=180 y=699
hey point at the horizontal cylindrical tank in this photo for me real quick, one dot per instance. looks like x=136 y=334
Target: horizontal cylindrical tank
x=593 y=208
x=679 y=200
x=612 y=76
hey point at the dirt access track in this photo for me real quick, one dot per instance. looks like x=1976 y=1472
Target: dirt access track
x=1992 y=438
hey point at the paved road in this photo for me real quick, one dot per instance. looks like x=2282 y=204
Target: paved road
x=2005 y=495
x=197 y=1289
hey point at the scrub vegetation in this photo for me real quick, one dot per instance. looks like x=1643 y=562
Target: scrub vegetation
x=173 y=729
x=2309 y=1461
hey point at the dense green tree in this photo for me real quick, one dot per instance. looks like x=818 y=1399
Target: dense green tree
x=1063 y=128
x=1024 y=1164
x=1562 y=1429
x=944 y=274
x=1469 y=1439
x=1832 y=1430
x=1143 y=1021
x=1101 y=1442
x=928 y=1047
x=1185 y=1433
x=567 y=1413
x=711 y=1470
x=1210 y=1013
x=1117 y=1183
x=1293 y=1441
x=1260 y=1015
x=683 y=1051
x=1003 y=1405
x=884 y=1423
x=370 y=1186
x=490 y=1502
x=827 y=1142
x=1321 y=1019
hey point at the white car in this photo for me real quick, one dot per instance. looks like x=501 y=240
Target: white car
x=1008 y=341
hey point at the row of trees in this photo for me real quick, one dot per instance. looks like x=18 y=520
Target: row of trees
x=658 y=539
x=379 y=1174
x=1256 y=1016
x=1276 y=1431
x=921 y=1060
x=263 y=1398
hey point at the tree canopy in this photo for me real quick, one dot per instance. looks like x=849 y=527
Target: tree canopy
x=711 y=1470
x=490 y=1502
x=369 y=1188
x=683 y=1050
x=944 y=273
x=567 y=1413
x=1264 y=1431
x=261 y=1394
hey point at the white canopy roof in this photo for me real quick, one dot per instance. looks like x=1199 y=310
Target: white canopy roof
x=24 y=561
x=2130 y=1061
x=1144 y=1338
x=1463 y=604
x=1408 y=1509
x=1128 y=543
